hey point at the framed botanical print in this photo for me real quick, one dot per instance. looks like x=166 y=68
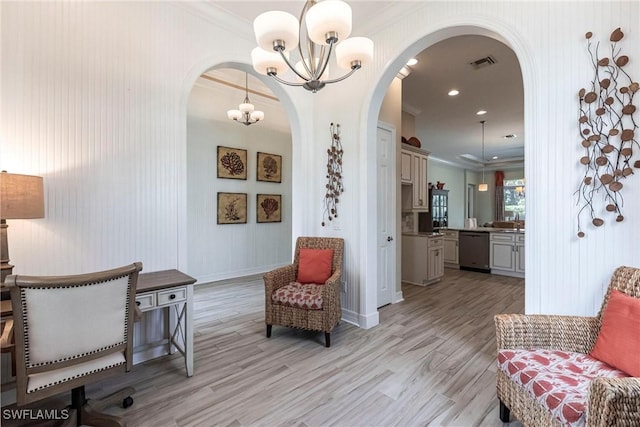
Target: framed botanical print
x=269 y=167
x=269 y=208
x=232 y=163
x=232 y=208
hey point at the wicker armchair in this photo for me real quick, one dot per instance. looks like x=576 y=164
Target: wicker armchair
x=610 y=401
x=323 y=318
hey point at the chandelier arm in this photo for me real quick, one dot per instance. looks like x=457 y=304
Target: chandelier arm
x=308 y=4
x=325 y=61
x=339 y=79
x=306 y=79
x=278 y=79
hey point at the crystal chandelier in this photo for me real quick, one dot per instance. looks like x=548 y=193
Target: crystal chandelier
x=322 y=26
x=246 y=112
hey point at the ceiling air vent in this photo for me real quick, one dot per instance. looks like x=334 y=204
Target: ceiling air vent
x=483 y=62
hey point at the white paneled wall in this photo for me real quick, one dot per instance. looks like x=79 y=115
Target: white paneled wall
x=94 y=99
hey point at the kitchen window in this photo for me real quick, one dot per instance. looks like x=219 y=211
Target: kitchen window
x=514 y=199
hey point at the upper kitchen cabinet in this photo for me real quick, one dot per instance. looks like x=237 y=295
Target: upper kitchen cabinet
x=414 y=172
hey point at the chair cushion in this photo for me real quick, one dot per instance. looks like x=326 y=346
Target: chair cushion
x=299 y=295
x=618 y=343
x=559 y=380
x=314 y=265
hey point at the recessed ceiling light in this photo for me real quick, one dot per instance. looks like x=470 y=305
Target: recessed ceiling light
x=453 y=92
x=412 y=61
x=511 y=135
x=481 y=112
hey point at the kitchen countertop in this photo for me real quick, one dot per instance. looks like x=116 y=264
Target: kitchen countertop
x=489 y=230
x=421 y=234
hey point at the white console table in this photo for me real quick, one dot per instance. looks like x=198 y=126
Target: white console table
x=171 y=291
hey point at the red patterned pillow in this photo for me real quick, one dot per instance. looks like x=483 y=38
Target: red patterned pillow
x=314 y=265
x=618 y=343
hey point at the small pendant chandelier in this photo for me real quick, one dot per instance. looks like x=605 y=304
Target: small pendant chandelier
x=483 y=186
x=322 y=26
x=246 y=112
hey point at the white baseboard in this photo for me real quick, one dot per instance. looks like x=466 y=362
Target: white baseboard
x=398 y=297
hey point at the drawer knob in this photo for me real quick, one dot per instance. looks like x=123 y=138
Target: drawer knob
x=172 y=296
x=137 y=303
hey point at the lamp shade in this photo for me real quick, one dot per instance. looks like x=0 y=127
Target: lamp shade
x=262 y=60
x=234 y=114
x=21 y=196
x=257 y=115
x=302 y=70
x=246 y=107
x=327 y=17
x=483 y=187
x=354 y=49
x=276 y=25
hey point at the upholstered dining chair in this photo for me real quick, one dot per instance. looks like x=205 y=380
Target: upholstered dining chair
x=572 y=370
x=71 y=331
x=306 y=294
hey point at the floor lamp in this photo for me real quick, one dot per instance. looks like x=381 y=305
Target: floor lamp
x=21 y=197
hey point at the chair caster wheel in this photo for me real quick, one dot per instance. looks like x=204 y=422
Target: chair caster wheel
x=127 y=401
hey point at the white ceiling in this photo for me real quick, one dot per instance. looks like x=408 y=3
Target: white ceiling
x=447 y=126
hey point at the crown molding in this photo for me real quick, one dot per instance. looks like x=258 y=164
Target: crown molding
x=219 y=17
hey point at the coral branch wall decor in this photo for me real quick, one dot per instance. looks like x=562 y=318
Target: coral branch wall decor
x=334 y=187
x=269 y=167
x=232 y=208
x=608 y=134
x=269 y=208
x=232 y=163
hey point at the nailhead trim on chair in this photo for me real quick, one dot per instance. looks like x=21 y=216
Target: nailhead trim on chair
x=26 y=324
x=75 y=376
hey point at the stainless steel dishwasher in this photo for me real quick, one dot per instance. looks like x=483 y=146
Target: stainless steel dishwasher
x=474 y=251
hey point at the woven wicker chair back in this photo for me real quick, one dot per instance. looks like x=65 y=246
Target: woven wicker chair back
x=625 y=280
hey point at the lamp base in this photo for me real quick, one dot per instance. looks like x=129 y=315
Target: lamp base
x=5 y=268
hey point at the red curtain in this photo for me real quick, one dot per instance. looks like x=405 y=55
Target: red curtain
x=499 y=215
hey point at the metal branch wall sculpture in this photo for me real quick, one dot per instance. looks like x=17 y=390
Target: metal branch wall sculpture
x=334 y=185
x=608 y=133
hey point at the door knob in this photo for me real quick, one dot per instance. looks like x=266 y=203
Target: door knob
x=389 y=239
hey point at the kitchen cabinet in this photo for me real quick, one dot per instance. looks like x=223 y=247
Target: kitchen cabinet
x=414 y=171
x=406 y=174
x=507 y=254
x=435 y=259
x=420 y=190
x=450 y=248
x=438 y=207
x=422 y=258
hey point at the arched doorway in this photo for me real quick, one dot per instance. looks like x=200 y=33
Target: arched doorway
x=184 y=230
x=368 y=124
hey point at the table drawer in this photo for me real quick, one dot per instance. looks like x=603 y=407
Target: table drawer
x=146 y=301
x=172 y=296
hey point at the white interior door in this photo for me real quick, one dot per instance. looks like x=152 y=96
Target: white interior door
x=386 y=214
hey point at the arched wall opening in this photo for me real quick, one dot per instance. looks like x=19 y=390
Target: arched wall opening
x=369 y=199
x=255 y=261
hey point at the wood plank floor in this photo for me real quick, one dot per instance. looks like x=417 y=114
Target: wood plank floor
x=430 y=362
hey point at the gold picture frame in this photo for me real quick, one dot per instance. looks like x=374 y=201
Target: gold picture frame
x=232 y=208
x=269 y=167
x=269 y=208
x=232 y=163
